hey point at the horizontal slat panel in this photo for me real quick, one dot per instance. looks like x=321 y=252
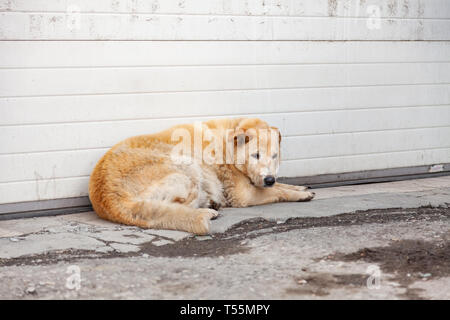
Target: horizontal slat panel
x=304 y=147
x=308 y=123
x=338 y=8
x=20 y=111
x=43 y=190
x=73 y=187
x=81 y=162
x=49 y=165
x=53 y=54
x=15 y=139
x=83 y=135
x=60 y=26
x=340 y=164
x=35 y=82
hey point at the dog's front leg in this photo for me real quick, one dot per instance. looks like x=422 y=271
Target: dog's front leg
x=248 y=195
x=280 y=193
x=291 y=187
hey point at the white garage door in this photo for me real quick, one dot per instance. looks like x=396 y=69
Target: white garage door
x=353 y=85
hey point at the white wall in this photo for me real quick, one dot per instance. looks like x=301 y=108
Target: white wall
x=346 y=95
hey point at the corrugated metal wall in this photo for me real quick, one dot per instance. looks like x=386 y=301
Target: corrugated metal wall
x=353 y=85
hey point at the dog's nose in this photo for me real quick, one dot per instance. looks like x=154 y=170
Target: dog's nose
x=269 y=181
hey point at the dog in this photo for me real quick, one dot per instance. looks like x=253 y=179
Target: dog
x=178 y=179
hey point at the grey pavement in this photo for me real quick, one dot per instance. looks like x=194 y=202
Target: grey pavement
x=279 y=251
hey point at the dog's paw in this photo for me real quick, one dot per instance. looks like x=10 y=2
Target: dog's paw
x=203 y=221
x=306 y=196
x=211 y=213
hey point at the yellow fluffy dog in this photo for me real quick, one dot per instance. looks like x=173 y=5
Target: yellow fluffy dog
x=178 y=178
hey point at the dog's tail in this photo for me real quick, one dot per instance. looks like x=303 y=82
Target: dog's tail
x=156 y=214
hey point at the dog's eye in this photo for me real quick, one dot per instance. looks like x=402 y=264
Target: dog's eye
x=275 y=156
x=256 y=155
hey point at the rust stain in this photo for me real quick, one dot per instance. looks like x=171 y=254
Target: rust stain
x=332 y=8
x=420 y=30
x=7 y=6
x=405 y=8
x=155 y=5
x=392 y=7
x=35 y=23
x=420 y=9
x=115 y=5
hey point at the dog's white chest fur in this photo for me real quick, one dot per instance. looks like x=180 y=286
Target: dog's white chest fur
x=206 y=184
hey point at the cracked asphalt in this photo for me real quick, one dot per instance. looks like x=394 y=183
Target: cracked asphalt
x=375 y=241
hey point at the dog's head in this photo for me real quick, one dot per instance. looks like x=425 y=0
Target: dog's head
x=257 y=151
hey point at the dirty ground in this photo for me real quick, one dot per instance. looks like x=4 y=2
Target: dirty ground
x=378 y=241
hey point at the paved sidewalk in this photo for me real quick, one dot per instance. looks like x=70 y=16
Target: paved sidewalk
x=288 y=250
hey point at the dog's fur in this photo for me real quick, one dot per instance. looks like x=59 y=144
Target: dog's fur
x=138 y=183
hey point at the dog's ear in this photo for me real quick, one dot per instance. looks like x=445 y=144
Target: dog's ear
x=241 y=137
x=278 y=131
